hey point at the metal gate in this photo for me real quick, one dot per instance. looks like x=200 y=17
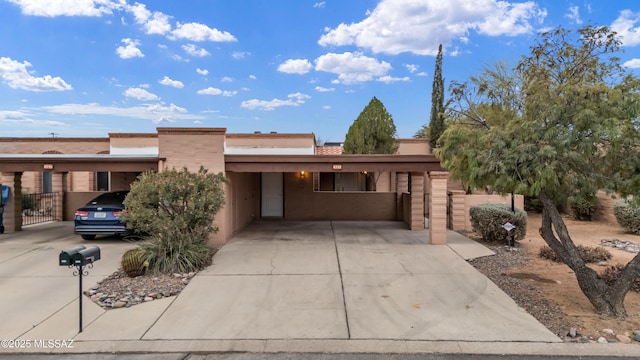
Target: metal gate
x=40 y=207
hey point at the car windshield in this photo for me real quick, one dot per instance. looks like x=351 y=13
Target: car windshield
x=109 y=199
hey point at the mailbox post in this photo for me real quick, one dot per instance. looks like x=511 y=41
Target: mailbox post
x=81 y=257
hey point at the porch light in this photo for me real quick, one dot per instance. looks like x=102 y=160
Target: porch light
x=302 y=174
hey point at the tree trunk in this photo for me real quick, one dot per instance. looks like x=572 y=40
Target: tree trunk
x=607 y=300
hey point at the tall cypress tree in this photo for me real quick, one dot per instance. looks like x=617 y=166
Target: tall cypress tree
x=436 y=122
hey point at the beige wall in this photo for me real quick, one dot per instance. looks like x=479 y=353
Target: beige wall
x=459 y=205
x=242 y=201
x=413 y=147
x=62 y=145
x=74 y=200
x=302 y=203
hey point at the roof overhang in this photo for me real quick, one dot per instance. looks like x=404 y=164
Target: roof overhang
x=331 y=163
x=77 y=162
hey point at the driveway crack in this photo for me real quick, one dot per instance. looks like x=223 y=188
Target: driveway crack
x=344 y=300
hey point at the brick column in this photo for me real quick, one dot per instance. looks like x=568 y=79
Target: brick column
x=12 y=216
x=58 y=186
x=417 y=201
x=438 y=207
x=402 y=186
x=457 y=210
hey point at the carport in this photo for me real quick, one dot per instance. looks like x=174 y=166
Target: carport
x=12 y=166
x=301 y=202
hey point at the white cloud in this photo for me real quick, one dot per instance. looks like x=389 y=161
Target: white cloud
x=52 y=8
x=390 y=79
x=22 y=118
x=200 y=32
x=155 y=112
x=320 y=4
x=574 y=14
x=632 y=64
x=411 y=67
x=194 y=50
x=140 y=94
x=327 y=107
x=252 y=77
x=295 y=66
x=130 y=50
x=324 y=89
x=422 y=73
x=202 y=72
x=624 y=26
x=16 y=75
x=215 y=91
x=397 y=26
x=209 y=91
x=153 y=23
x=352 y=67
x=240 y=54
x=170 y=82
x=227 y=79
x=295 y=99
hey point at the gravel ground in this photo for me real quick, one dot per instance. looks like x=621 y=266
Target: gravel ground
x=524 y=293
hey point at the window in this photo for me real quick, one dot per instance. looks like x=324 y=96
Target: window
x=102 y=181
x=47 y=182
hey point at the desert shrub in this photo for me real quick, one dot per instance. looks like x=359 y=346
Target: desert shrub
x=611 y=274
x=175 y=211
x=590 y=254
x=487 y=221
x=532 y=203
x=627 y=214
x=584 y=205
x=134 y=262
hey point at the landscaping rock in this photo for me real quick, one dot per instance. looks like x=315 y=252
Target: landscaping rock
x=602 y=340
x=623 y=339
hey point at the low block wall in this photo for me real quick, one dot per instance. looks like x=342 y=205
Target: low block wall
x=460 y=203
x=342 y=206
x=74 y=200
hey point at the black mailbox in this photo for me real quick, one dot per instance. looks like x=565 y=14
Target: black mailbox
x=86 y=256
x=66 y=256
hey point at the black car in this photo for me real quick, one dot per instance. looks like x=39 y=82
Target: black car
x=101 y=216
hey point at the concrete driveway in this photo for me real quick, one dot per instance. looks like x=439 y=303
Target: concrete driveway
x=283 y=281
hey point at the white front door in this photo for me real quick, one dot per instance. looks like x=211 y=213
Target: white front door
x=272 y=195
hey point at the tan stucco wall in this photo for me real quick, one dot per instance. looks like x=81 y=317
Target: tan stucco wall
x=413 y=147
x=270 y=140
x=62 y=145
x=242 y=199
x=302 y=203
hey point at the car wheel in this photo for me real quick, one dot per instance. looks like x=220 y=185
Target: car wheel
x=88 y=237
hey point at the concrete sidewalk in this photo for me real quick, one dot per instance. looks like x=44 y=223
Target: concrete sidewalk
x=321 y=287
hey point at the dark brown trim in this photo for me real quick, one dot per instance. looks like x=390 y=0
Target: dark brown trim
x=190 y=131
x=132 y=135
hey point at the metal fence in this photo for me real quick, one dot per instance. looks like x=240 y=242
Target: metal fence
x=40 y=207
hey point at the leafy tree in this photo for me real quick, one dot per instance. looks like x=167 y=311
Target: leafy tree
x=373 y=132
x=175 y=211
x=565 y=118
x=436 y=122
x=423 y=133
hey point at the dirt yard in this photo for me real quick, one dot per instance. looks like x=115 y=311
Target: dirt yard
x=557 y=282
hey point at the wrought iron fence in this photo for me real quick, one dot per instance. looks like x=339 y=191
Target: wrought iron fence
x=40 y=207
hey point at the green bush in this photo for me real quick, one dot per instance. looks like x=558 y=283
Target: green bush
x=590 y=254
x=627 y=214
x=583 y=206
x=487 y=221
x=174 y=210
x=611 y=274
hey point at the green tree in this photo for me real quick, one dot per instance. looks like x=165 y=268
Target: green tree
x=565 y=118
x=423 y=133
x=373 y=132
x=174 y=210
x=436 y=122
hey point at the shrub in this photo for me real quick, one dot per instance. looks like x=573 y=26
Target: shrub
x=175 y=211
x=134 y=262
x=611 y=274
x=627 y=214
x=584 y=206
x=590 y=254
x=487 y=221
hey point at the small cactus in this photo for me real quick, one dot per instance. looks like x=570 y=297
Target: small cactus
x=134 y=262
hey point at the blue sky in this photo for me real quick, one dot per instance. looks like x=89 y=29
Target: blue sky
x=87 y=68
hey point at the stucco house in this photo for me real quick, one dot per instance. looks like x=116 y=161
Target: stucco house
x=271 y=175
